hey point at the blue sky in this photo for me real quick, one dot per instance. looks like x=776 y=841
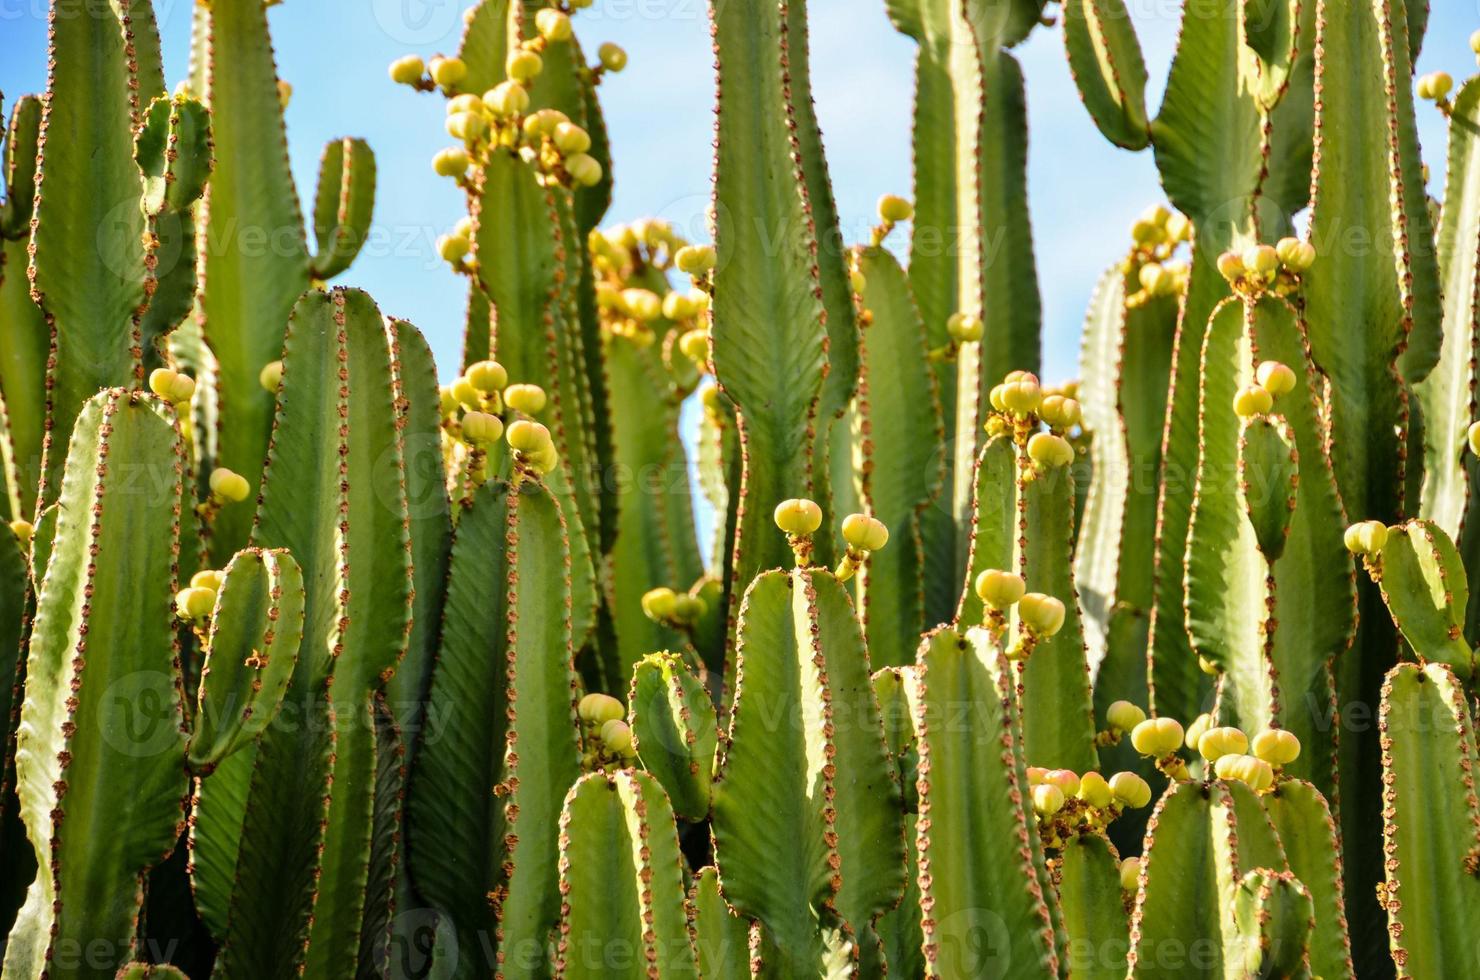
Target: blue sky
x=1084 y=192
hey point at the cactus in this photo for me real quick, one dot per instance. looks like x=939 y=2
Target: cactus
x=437 y=674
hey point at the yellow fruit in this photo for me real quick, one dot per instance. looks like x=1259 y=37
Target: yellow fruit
x=528 y=437
x=798 y=517
x=1275 y=378
x=1157 y=737
x=1130 y=790
x=229 y=486
x=864 y=533
x=1000 y=589
x=1252 y=400
x=893 y=208
x=1215 y=743
x=1366 y=537
x=1277 y=746
x=1043 y=614
x=1124 y=716
x=526 y=398
x=487 y=376
x=597 y=709
x=481 y=428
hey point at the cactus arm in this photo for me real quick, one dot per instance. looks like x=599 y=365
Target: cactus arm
x=801 y=653
x=484 y=45
x=480 y=824
x=720 y=937
x=1093 y=908
x=25 y=340
x=832 y=270
x=102 y=729
x=1447 y=396
x=1276 y=921
x=344 y=205
x=1429 y=822
x=621 y=882
x=1316 y=609
x=430 y=527
x=1364 y=75
x=768 y=340
x=901 y=471
x=1201 y=840
x=1272 y=32
x=1097 y=562
x=994 y=524
x=1054 y=686
x=353 y=549
x=1303 y=820
x=644 y=419
x=519 y=237
x=977 y=873
x=247 y=291
x=173 y=151
x=92 y=291
x=255 y=631
x=894 y=689
x=673 y=727
x=1109 y=71
x=18 y=866
x=387 y=887
x=1424 y=585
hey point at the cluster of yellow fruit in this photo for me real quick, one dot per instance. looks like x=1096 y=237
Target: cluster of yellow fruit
x=1039 y=615
x=1267 y=268
x=1435 y=86
x=1155 y=237
x=625 y=253
x=1019 y=403
x=607 y=738
x=1069 y=804
x=473 y=407
x=1227 y=752
x=1272 y=380
x=197 y=601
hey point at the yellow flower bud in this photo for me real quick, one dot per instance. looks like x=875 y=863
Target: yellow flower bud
x=1000 y=589
x=1366 y=537
x=466 y=394
x=694 y=344
x=1042 y=614
x=598 y=709
x=1277 y=746
x=583 y=169
x=523 y=65
x=658 y=604
x=504 y=100
x=1195 y=731
x=1021 y=397
x=23 y=531
x=447 y=72
x=208 y=578
x=526 y=398
x=1157 y=737
x=1122 y=716
x=1230 y=265
x=1095 y=790
x=172 y=386
x=1215 y=743
x=552 y=24
x=964 y=328
x=687 y=608
x=679 y=306
x=613 y=58
x=528 y=437
x=543 y=122
x=407 y=70
x=229 y=486
x=1130 y=790
x=694 y=260
x=615 y=734
x=642 y=304
x=1261 y=258
x=1247 y=769
x=570 y=138
x=1130 y=874
x=1295 y=255
x=487 y=376
x=450 y=162
x=864 y=533
x=893 y=208
x=1047 y=449
x=1473 y=436
x=1060 y=412
x=798 y=517
x=1275 y=378
x=1047 y=799
x=1252 y=400
x=1065 y=779
x=482 y=429
x=1035 y=775
x=453 y=248
x=195 y=603
x=1156 y=280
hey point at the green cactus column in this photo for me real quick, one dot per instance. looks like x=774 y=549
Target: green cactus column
x=25 y=337
x=805 y=761
x=256 y=260
x=769 y=341
x=100 y=755
x=275 y=823
x=971 y=249
x=486 y=796
x=1374 y=321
